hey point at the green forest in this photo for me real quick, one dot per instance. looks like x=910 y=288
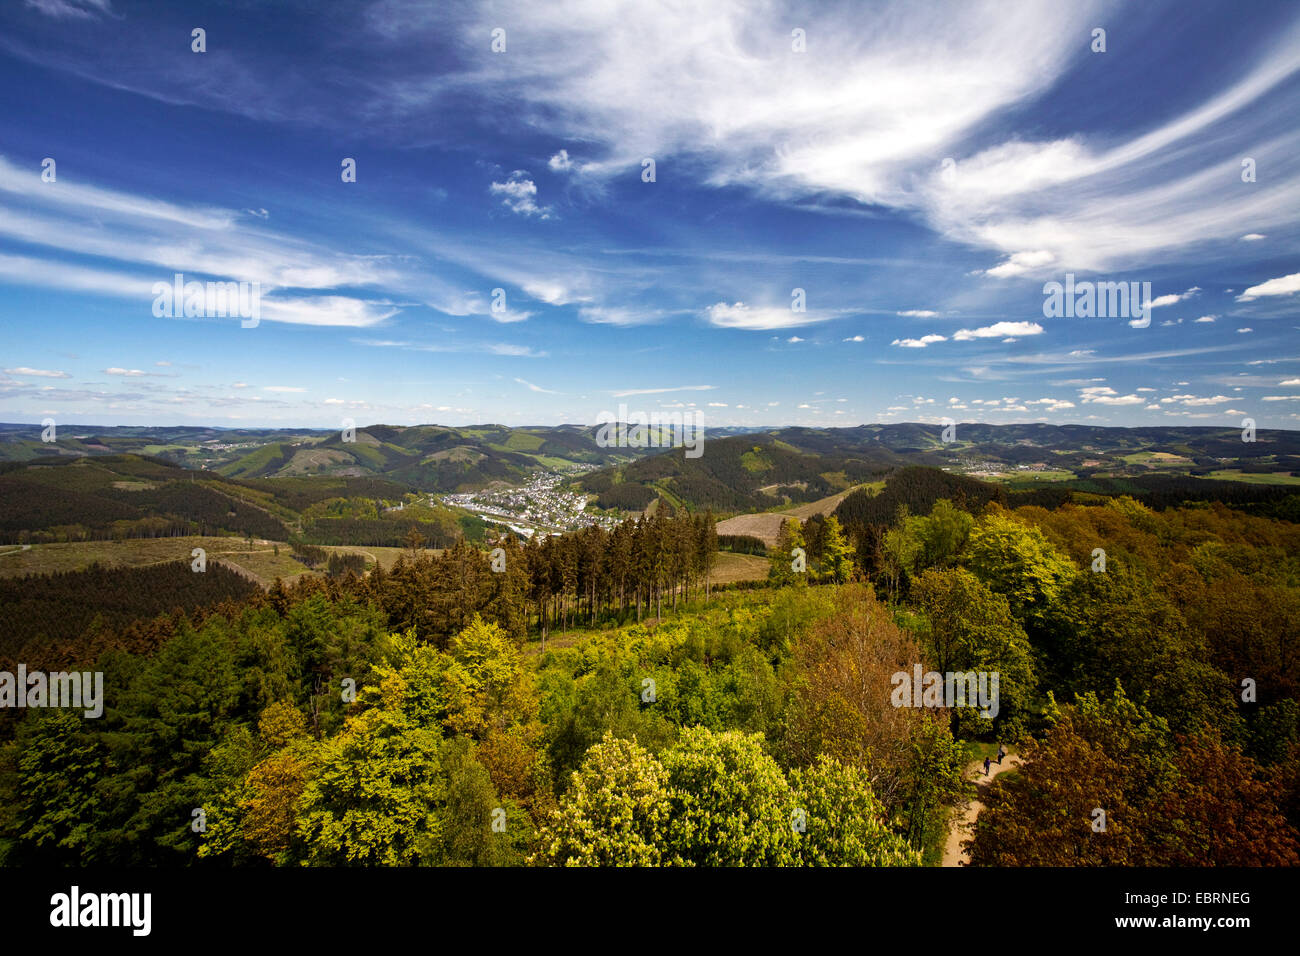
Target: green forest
x=596 y=699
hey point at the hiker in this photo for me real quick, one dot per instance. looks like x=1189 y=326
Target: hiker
x=1002 y=752
x=987 y=761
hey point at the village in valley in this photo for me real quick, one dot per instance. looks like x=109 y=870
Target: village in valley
x=541 y=506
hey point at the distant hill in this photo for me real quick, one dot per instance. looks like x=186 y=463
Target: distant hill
x=742 y=473
x=785 y=467
x=738 y=472
x=131 y=496
x=429 y=457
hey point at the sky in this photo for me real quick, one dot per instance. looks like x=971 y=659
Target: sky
x=764 y=213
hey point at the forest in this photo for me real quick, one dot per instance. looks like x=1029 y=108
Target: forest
x=595 y=699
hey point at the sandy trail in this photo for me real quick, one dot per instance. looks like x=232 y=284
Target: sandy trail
x=964 y=822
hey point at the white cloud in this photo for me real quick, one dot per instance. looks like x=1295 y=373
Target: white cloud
x=1052 y=404
x=919 y=314
x=519 y=194
x=1252 y=237
x=560 y=162
x=869 y=116
x=1205 y=319
x=998 y=330
x=920 y=343
x=1246 y=329
x=738 y=315
x=128 y=372
x=1102 y=395
x=36 y=372
x=855 y=338
x=1020 y=263
x=282 y=388
x=794 y=338
x=1285 y=285
x=1173 y=298
x=326 y=310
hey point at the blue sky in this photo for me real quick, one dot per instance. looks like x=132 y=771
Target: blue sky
x=919 y=170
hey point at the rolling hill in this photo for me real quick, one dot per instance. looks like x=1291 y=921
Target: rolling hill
x=783 y=468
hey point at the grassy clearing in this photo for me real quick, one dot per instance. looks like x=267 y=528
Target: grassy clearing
x=763 y=526
x=1275 y=478
x=261 y=560
x=739 y=567
x=550 y=461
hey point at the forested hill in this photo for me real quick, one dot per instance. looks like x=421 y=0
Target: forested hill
x=785 y=466
x=742 y=473
x=1021 y=441
x=432 y=457
x=917 y=489
x=131 y=496
x=808 y=463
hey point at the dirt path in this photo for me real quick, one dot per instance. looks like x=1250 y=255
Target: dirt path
x=353 y=549
x=963 y=824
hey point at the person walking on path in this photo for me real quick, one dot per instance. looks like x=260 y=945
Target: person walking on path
x=987 y=761
x=1002 y=752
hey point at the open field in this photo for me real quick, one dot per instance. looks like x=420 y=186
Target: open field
x=1033 y=477
x=1155 y=458
x=827 y=505
x=739 y=567
x=766 y=525
x=261 y=561
x=1276 y=478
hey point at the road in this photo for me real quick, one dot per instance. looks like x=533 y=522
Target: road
x=964 y=822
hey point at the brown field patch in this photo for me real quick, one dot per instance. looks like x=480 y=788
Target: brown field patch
x=765 y=527
x=739 y=567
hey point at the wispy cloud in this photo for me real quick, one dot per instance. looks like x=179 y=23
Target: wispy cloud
x=72 y=9
x=624 y=393
x=36 y=372
x=738 y=315
x=536 y=388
